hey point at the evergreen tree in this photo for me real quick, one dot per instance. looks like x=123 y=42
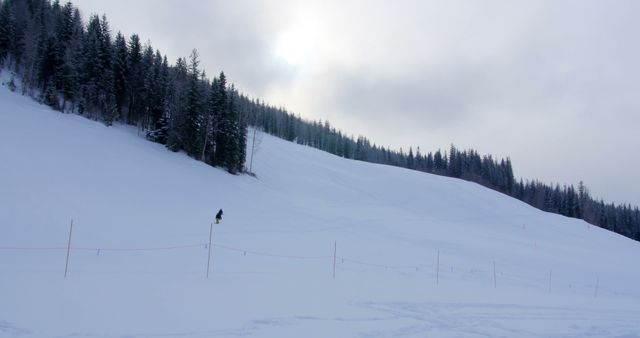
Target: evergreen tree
x=134 y=79
x=215 y=106
x=438 y=162
x=175 y=104
x=7 y=29
x=69 y=72
x=410 y=159
x=149 y=78
x=430 y=163
x=158 y=84
x=223 y=125
x=105 y=51
x=120 y=72
x=91 y=68
x=48 y=64
x=49 y=96
x=240 y=134
x=192 y=108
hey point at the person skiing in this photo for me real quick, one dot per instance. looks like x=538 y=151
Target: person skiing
x=219 y=216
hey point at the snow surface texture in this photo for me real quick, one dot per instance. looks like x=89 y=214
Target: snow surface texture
x=415 y=253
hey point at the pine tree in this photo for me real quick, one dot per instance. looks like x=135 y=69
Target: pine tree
x=161 y=126
x=509 y=179
x=69 y=71
x=107 y=102
x=175 y=104
x=120 y=72
x=65 y=26
x=192 y=108
x=97 y=90
x=410 y=159
x=47 y=64
x=7 y=29
x=49 y=96
x=110 y=109
x=240 y=134
x=157 y=101
x=148 y=84
x=439 y=164
x=134 y=79
x=455 y=162
x=91 y=67
x=221 y=123
x=212 y=115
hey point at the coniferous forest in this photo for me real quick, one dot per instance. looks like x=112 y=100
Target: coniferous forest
x=84 y=68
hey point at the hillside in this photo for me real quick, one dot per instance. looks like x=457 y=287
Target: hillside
x=415 y=253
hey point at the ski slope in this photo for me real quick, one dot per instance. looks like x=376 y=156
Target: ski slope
x=415 y=255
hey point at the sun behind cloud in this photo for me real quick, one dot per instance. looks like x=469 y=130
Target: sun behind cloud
x=297 y=44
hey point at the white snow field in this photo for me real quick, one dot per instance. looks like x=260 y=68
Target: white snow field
x=415 y=253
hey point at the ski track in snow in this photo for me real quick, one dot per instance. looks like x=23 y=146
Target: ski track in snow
x=486 y=320
x=450 y=320
x=10 y=330
x=502 y=320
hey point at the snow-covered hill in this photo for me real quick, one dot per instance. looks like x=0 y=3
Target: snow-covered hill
x=414 y=253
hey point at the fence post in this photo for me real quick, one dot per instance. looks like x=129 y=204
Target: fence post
x=495 y=284
x=438 y=269
x=335 y=250
x=66 y=266
x=209 y=256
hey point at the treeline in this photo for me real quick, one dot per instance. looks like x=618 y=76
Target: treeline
x=490 y=172
x=81 y=69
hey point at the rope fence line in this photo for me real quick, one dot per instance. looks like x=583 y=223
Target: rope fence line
x=175 y=247
x=217 y=245
x=268 y=254
x=583 y=284
x=224 y=247
x=15 y=248
x=342 y=259
x=383 y=266
x=9 y=248
x=503 y=274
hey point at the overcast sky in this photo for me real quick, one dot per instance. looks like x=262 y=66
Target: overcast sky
x=555 y=85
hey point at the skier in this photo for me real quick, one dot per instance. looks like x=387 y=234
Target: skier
x=218 y=216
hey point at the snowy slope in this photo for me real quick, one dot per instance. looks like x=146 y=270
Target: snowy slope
x=415 y=253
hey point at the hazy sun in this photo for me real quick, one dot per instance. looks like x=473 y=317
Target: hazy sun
x=295 y=45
